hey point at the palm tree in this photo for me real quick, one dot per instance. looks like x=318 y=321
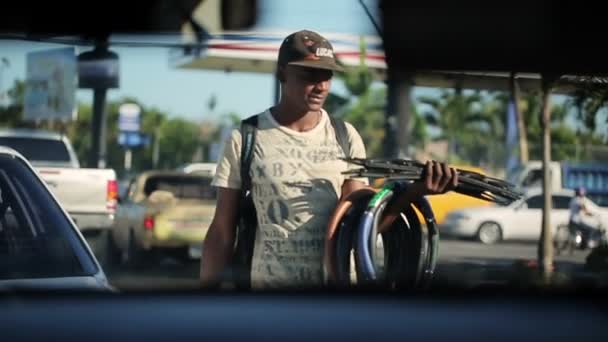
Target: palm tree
x=358 y=79
x=459 y=118
x=562 y=135
x=589 y=99
x=365 y=105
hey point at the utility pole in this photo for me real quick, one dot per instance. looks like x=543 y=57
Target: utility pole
x=4 y=64
x=128 y=160
x=521 y=127
x=156 y=148
x=397 y=117
x=97 y=156
x=89 y=64
x=545 y=247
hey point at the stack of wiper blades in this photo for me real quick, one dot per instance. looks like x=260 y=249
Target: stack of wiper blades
x=469 y=183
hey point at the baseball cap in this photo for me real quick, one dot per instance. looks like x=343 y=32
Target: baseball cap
x=309 y=49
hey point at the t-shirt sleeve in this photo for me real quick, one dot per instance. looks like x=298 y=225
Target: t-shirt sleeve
x=357 y=149
x=228 y=173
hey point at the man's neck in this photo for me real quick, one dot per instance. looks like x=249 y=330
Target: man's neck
x=297 y=120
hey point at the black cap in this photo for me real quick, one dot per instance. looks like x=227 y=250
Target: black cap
x=308 y=49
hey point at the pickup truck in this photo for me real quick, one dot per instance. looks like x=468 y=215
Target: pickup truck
x=164 y=213
x=88 y=195
x=593 y=176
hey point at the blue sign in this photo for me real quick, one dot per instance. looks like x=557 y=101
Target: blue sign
x=133 y=139
x=128 y=119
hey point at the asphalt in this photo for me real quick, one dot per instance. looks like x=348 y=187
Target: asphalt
x=461 y=263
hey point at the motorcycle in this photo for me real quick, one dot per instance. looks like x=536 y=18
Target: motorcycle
x=573 y=236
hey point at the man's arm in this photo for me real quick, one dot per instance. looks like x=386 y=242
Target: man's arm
x=350 y=185
x=218 y=245
x=585 y=207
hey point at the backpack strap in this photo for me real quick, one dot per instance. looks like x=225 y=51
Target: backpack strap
x=248 y=130
x=341 y=134
x=247 y=222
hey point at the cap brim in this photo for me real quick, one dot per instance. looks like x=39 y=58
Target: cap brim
x=318 y=65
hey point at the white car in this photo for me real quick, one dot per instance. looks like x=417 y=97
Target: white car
x=88 y=194
x=521 y=220
x=40 y=245
x=200 y=168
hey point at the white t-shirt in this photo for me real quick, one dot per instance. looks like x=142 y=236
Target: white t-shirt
x=296 y=183
x=576 y=209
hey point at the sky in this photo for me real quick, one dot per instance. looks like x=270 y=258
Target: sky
x=146 y=73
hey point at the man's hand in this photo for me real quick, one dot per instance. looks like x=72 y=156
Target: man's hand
x=439 y=179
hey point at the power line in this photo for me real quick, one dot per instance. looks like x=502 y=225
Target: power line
x=371 y=18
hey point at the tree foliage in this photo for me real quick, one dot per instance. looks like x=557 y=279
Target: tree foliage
x=179 y=140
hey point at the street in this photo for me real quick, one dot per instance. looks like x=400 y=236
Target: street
x=460 y=262
x=462 y=250
x=473 y=264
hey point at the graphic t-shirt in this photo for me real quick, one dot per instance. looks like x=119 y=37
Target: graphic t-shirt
x=296 y=183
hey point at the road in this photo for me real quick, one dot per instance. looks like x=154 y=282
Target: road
x=463 y=250
x=470 y=263
x=463 y=261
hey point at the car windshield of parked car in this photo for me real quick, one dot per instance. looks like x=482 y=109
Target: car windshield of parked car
x=31 y=148
x=186 y=187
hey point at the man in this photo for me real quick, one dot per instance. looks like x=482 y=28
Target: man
x=579 y=212
x=295 y=174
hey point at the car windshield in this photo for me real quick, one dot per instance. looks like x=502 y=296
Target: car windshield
x=185 y=187
x=38 y=149
x=153 y=97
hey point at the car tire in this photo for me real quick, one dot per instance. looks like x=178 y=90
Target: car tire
x=489 y=233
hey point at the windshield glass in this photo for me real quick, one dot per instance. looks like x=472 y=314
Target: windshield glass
x=182 y=187
x=38 y=149
x=346 y=103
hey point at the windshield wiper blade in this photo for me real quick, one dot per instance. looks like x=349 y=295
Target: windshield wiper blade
x=471 y=183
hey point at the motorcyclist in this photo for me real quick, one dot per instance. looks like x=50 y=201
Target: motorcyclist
x=579 y=214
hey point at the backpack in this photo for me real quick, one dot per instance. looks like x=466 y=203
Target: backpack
x=247 y=220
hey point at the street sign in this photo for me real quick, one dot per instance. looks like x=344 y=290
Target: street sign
x=128 y=119
x=50 y=88
x=133 y=139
